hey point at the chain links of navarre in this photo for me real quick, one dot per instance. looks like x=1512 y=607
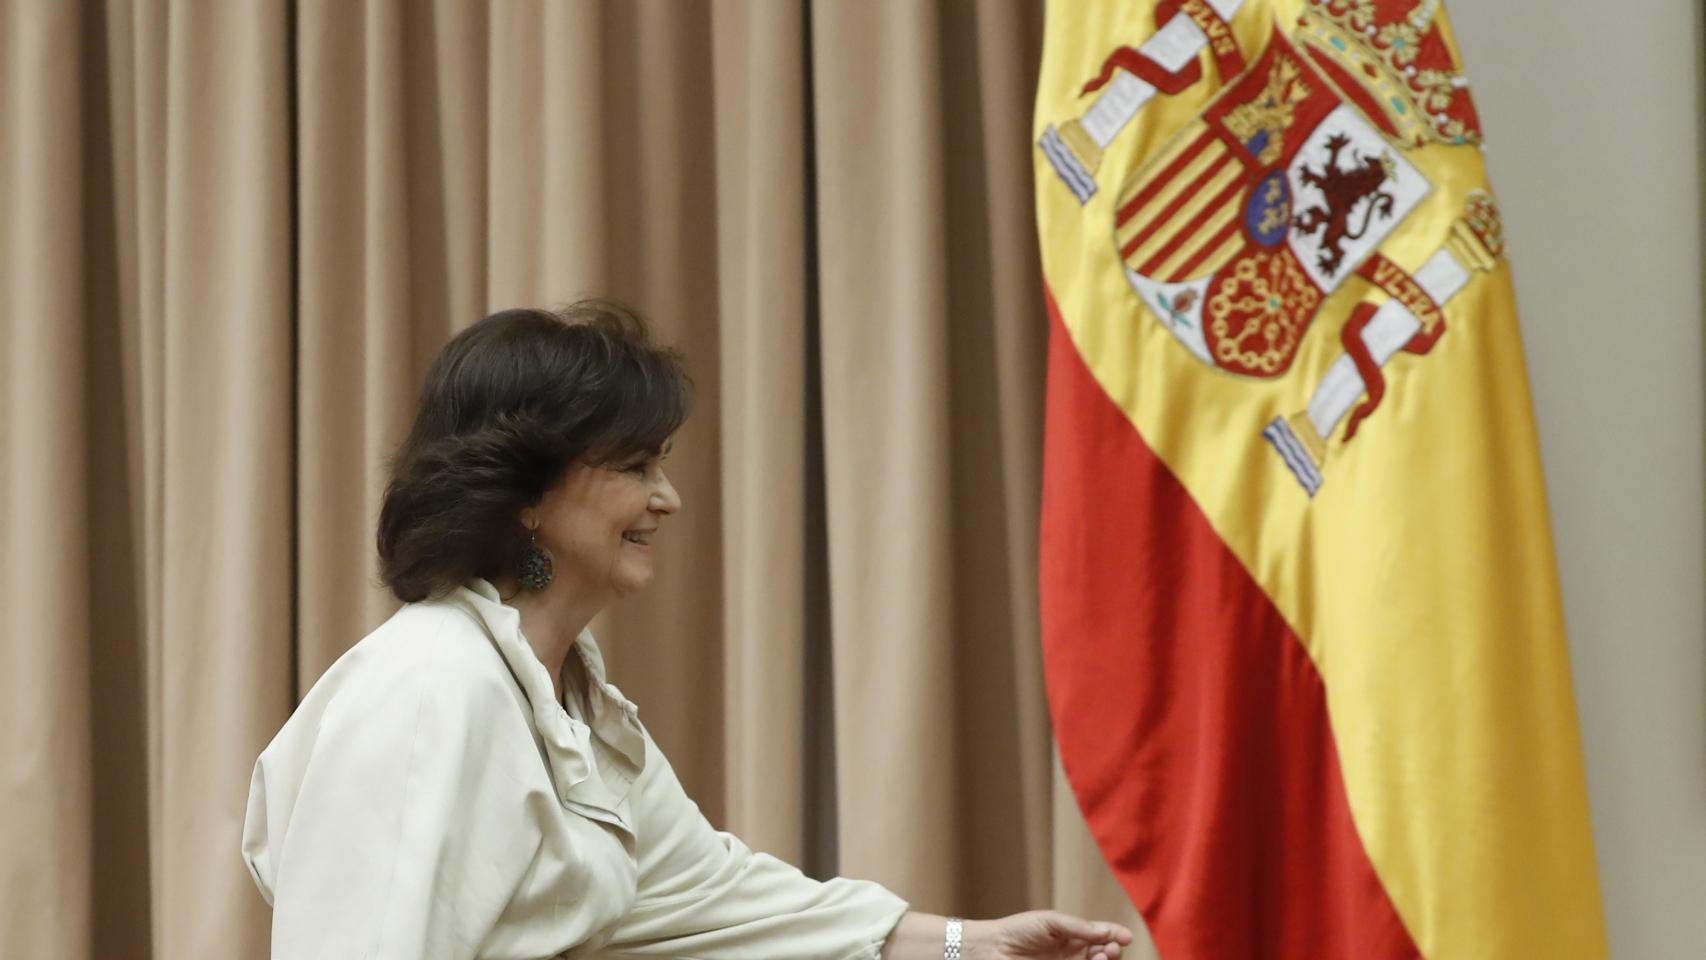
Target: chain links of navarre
x=534 y=572
x=951 y=945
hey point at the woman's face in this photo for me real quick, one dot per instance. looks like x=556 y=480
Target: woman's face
x=599 y=523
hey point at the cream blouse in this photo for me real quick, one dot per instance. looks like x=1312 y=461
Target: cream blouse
x=430 y=798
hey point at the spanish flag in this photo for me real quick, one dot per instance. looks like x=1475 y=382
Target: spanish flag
x=1304 y=646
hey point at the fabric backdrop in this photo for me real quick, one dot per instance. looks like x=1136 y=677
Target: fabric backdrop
x=233 y=234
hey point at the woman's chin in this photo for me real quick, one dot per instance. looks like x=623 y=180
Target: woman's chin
x=633 y=582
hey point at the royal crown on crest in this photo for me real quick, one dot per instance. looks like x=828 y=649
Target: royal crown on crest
x=1390 y=57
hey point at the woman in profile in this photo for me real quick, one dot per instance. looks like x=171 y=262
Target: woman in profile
x=465 y=782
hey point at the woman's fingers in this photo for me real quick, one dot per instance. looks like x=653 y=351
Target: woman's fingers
x=1063 y=935
x=1084 y=929
x=1092 y=931
x=1100 y=949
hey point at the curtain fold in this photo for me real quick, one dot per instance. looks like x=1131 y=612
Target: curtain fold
x=233 y=237
x=759 y=118
x=888 y=440
x=45 y=557
x=221 y=460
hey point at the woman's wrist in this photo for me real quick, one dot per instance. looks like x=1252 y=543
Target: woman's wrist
x=1038 y=934
x=977 y=940
x=924 y=936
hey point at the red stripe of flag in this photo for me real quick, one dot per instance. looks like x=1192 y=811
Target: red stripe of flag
x=1172 y=207
x=1190 y=228
x=1191 y=722
x=1203 y=252
x=1163 y=178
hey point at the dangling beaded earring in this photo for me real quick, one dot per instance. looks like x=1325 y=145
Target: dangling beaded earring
x=535 y=570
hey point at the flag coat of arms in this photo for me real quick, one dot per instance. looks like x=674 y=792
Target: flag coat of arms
x=1304 y=645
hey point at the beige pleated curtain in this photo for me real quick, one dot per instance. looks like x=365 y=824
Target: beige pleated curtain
x=232 y=234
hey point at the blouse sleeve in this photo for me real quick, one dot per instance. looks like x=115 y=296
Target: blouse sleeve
x=703 y=894
x=383 y=822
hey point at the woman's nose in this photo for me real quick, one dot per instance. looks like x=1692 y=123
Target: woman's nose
x=664 y=498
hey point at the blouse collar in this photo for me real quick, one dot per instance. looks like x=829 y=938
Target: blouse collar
x=614 y=719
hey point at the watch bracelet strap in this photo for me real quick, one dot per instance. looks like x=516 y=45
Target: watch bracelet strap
x=951 y=941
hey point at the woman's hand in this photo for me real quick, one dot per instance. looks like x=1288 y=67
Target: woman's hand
x=1044 y=935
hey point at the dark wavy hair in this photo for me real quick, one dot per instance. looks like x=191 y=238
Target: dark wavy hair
x=508 y=406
